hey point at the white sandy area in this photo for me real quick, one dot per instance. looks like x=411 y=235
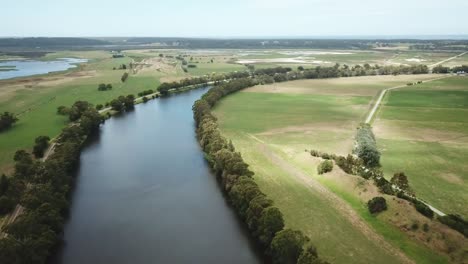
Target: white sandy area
x=281 y=60
x=415 y=60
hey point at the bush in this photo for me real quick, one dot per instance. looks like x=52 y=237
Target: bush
x=377 y=205
x=325 y=166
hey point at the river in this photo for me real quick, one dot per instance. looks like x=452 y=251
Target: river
x=144 y=194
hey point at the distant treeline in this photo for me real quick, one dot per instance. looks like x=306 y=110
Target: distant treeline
x=264 y=220
x=211 y=43
x=49 y=42
x=269 y=43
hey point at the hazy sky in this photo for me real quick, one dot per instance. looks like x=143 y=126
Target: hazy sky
x=232 y=18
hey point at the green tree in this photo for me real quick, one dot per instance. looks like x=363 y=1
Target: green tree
x=40 y=146
x=270 y=222
x=117 y=105
x=90 y=120
x=401 y=181
x=287 y=246
x=7 y=119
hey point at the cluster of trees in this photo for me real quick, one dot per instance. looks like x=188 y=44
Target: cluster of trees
x=325 y=166
x=124 y=77
x=42 y=188
x=377 y=205
x=398 y=184
x=104 y=87
x=456 y=222
x=264 y=220
x=366 y=148
x=146 y=92
x=7 y=119
x=442 y=69
x=75 y=111
x=164 y=88
x=123 y=103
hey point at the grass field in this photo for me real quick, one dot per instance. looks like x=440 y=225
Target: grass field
x=272 y=126
x=423 y=131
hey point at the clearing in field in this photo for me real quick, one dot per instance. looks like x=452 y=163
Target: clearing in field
x=272 y=126
x=423 y=131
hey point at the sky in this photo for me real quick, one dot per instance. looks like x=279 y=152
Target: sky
x=232 y=18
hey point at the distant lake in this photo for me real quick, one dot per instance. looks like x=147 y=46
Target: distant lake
x=23 y=68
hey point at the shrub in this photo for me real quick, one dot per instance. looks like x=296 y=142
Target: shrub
x=377 y=205
x=426 y=227
x=325 y=166
x=99 y=107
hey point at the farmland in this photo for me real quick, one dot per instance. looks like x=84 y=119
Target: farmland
x=272 y=125
x=423 y=131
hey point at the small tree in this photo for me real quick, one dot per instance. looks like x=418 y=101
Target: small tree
x=377 y=205
x=102 y=87
x=325 y=166
x=400 y=180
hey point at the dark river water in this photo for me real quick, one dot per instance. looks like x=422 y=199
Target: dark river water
x=144 y=194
